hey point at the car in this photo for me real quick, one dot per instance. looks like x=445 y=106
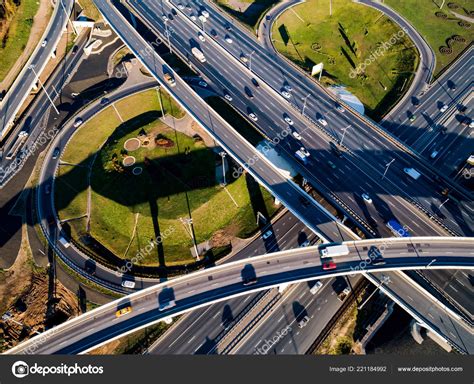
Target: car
x=434 y=154
x=214 y=33
x=340 y=108
x=335 y=149
x=286 y=94
x=249 y=280
x=44 y=43
x=331 y=164
x=228 y=27
x=303 y=322
x=305 y=151
x=78 y=122
x=74 y=94
x=193 y=17
x=471 y=124
x=367 y=198
x=296 y=135
x=248 y=92
x=466 y=121
x=205 y=13
x=267 y=234
x=123 y=311
x=443 y=108
x=228 y=39
x=104 y=100
x=201 y=37
x=47 y=189
x=322 y=121
x=56 y=153
x=255 y=82
x=128 y=284
x=253 y=116
x=316 y=287
x=75 y=49
x=188 y=7
x=415 y=102
x=202 y=83
x=202 y=18
x=287 y=87
x=164 y=17
x=288 y=119
x=330 y=265
x=243 y=58
x=305 y=244
x=227 y=96
x=412 y=118
x=180 y=6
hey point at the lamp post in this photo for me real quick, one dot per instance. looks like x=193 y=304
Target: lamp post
x=344 y=133
x=387 y=166
x=305 y=99
x=223 y=154
x=250 y=62
x=67 y=16
x=32 y=67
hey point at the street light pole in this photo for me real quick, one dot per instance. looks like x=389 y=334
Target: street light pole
x=344 y=133
x=444 y=202
x=250 y=62
x=167 y=32
x=158 y=92
x=387 y=166
x=304 y=102
x=32 y=67
x=191 y=229
x=223 y=166
x=68 y=18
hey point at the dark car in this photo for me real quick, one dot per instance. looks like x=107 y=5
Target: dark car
x=56 y=153
x=255 y=82
x=75 y=49
x=335 y=149
x=47 y=189
x=249 y=281
x=248 y=92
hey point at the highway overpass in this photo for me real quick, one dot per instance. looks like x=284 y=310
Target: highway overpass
x=223 y=282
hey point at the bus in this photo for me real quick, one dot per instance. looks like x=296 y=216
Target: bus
x=397 y=229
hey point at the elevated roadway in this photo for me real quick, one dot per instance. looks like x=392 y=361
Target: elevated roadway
x=219 y=283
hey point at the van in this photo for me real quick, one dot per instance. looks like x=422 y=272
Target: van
x=128 y=284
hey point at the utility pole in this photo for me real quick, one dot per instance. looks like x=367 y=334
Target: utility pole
x=387 y=166
x=32 y=67
x=223 y=167
x=305 y=99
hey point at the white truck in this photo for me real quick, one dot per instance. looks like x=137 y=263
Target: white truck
x=334 y=250
x=342 y=295
x=301 y=156
x=198 y=54
x=64 y=242
x=412 y=172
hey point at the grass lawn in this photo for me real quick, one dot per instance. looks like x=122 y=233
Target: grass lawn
x=13 y=44
x=248 y=12
x=90 y=9
x=421 y=14
x=307 y=35
x=178 y=177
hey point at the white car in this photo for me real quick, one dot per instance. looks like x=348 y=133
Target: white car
x=227 y=96
x=287 y=87
x=243 y=58
x=296 y=135
x=228 y=39
x=205 y=13
x=164 y=17
x=267 y=234
x=367 y=198
x=322 y=122
x=286 y=94
x=192 y=16
x=316 y=287
x=78 y=122
x=304 y=151
x=471 y=124
x=253 y=116
x=340 y=108
x=444 y=108
x=201 y=37
x=202 y=18
x=43 y=44
x=202 y=83
x=180 y=6
x=288 y=120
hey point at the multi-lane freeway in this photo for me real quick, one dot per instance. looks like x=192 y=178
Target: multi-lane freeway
x=233 y=279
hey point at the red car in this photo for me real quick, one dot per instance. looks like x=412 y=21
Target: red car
x=329 y=265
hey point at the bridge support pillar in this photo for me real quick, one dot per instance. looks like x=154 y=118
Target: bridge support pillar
x=416 y=331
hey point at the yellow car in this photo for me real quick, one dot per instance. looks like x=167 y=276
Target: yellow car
x=123 y=311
